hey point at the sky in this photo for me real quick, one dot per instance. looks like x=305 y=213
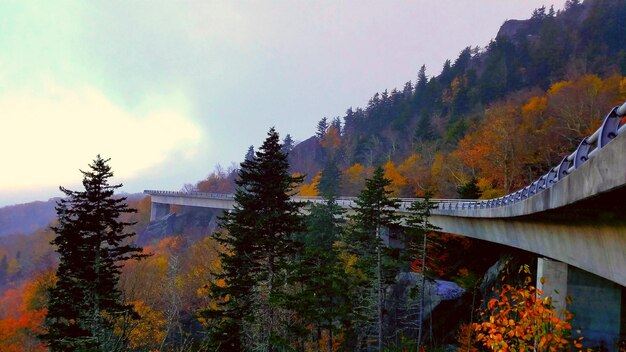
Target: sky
x=170 y=89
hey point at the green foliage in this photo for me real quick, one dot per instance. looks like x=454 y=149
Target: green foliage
x=259 y=246
x=93 y=245
x=469 y=190
x=374 y=212
x=320 y=283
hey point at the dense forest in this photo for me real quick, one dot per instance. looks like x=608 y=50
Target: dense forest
x=493 y=120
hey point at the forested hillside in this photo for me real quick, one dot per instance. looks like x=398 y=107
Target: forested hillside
x=500 y=114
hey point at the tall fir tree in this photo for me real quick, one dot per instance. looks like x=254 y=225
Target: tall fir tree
x=259 y=244
x=319 y=297
x=322 y=128
x=250 y=153
x=375 y=213
x=93 y=246
x=418 y=228
x=288 y=144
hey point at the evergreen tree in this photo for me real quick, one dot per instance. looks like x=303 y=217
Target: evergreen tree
x=424 y=130
x=419 y=226
x=288 y=145
x=259 y=244
x=374 y=213
x=321 y=301
x=330 y=180
x=336 y=123
x=322 y=128
x=250 y=153
x=469 y=190
x=420 y=85
x=93 y=246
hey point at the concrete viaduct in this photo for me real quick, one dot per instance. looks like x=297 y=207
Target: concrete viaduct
x=574 y=216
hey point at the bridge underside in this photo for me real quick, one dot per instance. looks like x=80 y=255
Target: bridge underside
x=590 y=234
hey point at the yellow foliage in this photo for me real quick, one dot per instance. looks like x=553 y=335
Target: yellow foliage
x=349 y=265
x=437 y=168
x=558 y=86
x=354 y=178
x=487 y=191
x=355 y=173
x=535 y=106
x=149 y=331
x=397 y=181
x=13 y=266
x=310 y=190
x=416 y=173
x=332 y=139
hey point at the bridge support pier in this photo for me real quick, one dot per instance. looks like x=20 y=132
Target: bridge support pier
x=552 y=280
x=159 y=210
x=597 y=303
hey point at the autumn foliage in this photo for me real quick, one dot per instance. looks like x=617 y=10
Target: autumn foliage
x=22 y=312
x=520 y=319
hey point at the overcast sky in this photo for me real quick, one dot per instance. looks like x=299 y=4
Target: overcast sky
x=169 y=89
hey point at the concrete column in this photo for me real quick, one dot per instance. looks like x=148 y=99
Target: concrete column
x=597 y=308
x=159 y=210
x=552 y=280
x=596 y=302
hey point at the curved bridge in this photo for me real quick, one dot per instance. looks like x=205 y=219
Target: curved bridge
x=575 y=213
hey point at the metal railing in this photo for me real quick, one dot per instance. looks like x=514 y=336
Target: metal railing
x=192 y=194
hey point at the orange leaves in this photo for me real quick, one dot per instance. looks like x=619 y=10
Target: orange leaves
x=354 y=179
x=397 y=181
x=518 y=140
x=518 y=321
x=310 y=190
x=332 y=140
x=150 y=330
x=22 y=312
x=219 y=181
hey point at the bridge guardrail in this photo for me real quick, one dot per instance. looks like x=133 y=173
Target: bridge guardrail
x=189 y=194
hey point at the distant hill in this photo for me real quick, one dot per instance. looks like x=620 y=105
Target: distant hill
x=26 y=218
x=29 y=217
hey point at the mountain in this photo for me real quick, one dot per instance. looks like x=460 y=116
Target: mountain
x=26 y=218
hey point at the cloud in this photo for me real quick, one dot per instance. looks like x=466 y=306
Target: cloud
x=49 y=133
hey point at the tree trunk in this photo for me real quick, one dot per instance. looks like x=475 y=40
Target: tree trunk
x=420 y=317
x=379 y=288
x=329 y=343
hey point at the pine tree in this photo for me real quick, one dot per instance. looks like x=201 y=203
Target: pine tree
x=93 y=246
x=320 y=298
x=375 y=212
x=469 y=190
x=330 y=181
x=288 y=144
x=250 y=153
x=322 y=128
x=419 y=227
x=258 y=241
